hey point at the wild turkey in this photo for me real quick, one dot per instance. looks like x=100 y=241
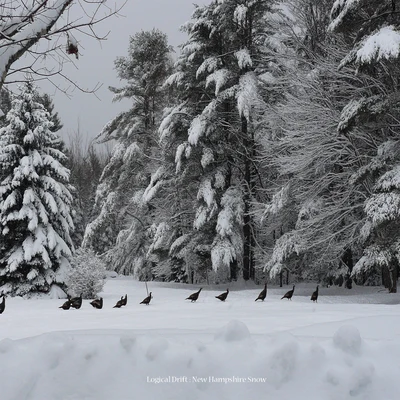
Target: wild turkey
x=263 y=293
x=76 y=302
x=124 y=300
x=314 y=296
x=119 y=304
x=3 y=305
x=147 y=300
x=66 y=305
x=223 y=296
x=98 y=303
x=288 y=295
x=194 y=296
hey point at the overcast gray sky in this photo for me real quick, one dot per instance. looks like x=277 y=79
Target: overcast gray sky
x=96 y=61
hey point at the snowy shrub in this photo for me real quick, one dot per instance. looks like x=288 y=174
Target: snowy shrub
x=86 y=275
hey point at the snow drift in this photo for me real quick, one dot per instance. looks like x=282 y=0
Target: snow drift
x=122 y=365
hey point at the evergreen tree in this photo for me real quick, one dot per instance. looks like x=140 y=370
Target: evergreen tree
x=5 y=105
x=218 y=85
x=48 y=105
x=123 y=221
x=375 y=51
x=86 y=164
x=35 y=200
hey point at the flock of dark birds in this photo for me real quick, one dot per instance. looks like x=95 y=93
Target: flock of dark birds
x=76 y=302
x=263 y=294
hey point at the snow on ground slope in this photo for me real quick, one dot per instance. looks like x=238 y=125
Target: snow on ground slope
x=345 y=347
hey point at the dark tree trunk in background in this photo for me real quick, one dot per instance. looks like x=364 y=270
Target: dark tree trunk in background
x=347 y=259
x=248 y=257
x=249 y=186
x=393 y=280
x=233 y=269
x=393 y=275
x=385 y=277
x=281 y=279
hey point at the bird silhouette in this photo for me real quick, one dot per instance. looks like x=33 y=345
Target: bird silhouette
x=3 y=305
x=124 y=300
x=314 y=296
x=194 y=296
x=119 y=303
x=76 y=302
x=263 y=293
x=223 y=296
x=147 y=300
x=66 y=305
x=288 y=295
x=98 y=303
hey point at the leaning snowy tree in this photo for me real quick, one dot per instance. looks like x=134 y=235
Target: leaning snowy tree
x=35 y=201
x=25 y=24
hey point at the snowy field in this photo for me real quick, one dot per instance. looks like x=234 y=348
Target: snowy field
x=345 y=347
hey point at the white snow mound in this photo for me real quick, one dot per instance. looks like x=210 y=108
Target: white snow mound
x=123 y=365
x=232 y=332
x=348 y=339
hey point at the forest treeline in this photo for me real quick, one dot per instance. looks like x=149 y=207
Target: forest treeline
x=266 y=147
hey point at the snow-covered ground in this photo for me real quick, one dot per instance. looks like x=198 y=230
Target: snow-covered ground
x=345 y=347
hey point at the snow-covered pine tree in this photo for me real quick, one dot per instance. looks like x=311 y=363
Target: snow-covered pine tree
x=122 y=225
x=35 y=201
x=86 y=164
x=5 y=105
x=48 y=105
x=217 y=78
x=375 y=26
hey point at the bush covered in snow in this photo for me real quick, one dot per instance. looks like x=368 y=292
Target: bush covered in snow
x=86 y=275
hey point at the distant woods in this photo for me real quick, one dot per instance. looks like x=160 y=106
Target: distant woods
x=268 y=150
x=86 y=161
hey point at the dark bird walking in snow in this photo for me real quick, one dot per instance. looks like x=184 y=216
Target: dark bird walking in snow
x=98 y=303
x=314 y=296
x=288 y=295
x=76 y=302
x=194 y=296
x=147 y=300
x=119 y=303
x=66 y=305
x=124 y=300
x=3 y=305
x=263 y=293
x=223 y=296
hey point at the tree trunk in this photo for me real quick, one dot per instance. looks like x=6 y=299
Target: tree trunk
x=281 y=279
x=347 y=259
x=385 y=277
x=248 y=233
x=233 y=270
x=247 y=251
x=393 y=280
x=393 y=275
